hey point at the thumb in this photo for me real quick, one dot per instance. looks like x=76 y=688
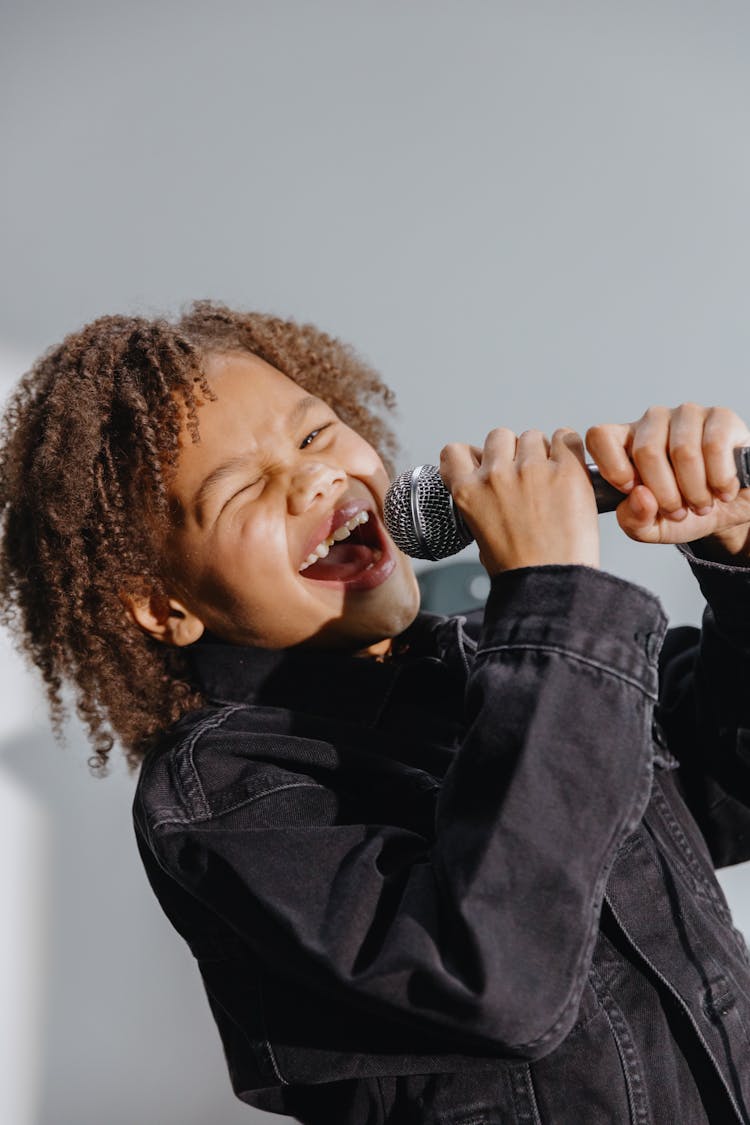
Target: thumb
x=638 y=515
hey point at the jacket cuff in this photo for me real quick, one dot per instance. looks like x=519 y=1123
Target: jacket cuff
x=579 y=610
x=725 y=587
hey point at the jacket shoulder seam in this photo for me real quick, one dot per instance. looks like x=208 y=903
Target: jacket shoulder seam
x=191 y=790
x=248 y=800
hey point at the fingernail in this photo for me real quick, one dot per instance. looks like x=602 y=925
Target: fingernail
x=626 y=487
x=678 y=514
x=727 y=497
x=636 y=504
x=703 y=511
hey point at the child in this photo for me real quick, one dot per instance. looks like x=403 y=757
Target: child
x=434 y=870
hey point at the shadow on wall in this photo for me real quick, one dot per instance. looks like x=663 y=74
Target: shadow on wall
x=107 y=1017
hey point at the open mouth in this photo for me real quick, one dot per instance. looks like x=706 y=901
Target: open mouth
x=354 y=552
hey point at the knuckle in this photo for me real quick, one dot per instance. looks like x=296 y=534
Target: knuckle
x=462 y=494
x=646 y=455
x=496 y=467
x=530 y=471
x=685 y=454
x=713 y=447
x=691 y=408
x=498 y=433
x=597 y=433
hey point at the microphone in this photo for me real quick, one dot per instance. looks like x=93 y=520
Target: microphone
x=424 y=523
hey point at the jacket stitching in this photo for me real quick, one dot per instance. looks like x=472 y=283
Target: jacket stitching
x=724 y=974
x=700 y=880
x=597 y=899
x=626 y=1049
x=261 y=1048
x=524 y=1097
x=212 y=722
x=240 y=804
x=560 y=651
x=267 y=1043
x=673 y=870
x=532 y=1096
x=381 y=1093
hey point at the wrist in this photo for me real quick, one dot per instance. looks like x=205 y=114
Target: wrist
x=578 y=611
x=729 y=546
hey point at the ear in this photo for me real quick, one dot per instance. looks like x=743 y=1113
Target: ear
x=164 y=618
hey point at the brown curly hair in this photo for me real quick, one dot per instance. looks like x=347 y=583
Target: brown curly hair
x=87 y=444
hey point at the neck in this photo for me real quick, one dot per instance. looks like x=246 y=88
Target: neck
x=380 y=650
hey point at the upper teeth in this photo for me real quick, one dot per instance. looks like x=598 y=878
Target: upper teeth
x=340 y=533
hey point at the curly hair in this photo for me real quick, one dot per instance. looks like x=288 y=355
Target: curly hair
x=87 y=444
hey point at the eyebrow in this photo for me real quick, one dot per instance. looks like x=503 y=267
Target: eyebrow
x=228 y=468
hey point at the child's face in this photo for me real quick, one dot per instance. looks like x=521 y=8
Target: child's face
x=238 y=545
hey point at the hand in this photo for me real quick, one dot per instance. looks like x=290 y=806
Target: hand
x=678 y=469
x=526 y=500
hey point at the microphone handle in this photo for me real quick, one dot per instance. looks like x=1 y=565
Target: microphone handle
x=608 y=497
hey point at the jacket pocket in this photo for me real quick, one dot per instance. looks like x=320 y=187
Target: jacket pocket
x=694 y=866
x=593 y=1076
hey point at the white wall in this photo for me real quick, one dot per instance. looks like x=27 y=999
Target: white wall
x=523 y=214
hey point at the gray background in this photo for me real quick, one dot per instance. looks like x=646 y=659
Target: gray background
x=522 y=214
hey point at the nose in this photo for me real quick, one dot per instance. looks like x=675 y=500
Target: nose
x=314 y=481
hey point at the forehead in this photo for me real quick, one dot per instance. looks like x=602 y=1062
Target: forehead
x=242 y=379
x=254 y=404
x=251 y=395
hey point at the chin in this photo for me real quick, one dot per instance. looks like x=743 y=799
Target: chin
x=398 y=612
x=405 y=617
x=379 y=624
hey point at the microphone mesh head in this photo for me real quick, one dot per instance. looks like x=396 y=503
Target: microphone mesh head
x=420 y=517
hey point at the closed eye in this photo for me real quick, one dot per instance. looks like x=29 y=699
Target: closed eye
x=239 y=492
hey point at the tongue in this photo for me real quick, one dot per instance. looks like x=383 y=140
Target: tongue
x=343 y=561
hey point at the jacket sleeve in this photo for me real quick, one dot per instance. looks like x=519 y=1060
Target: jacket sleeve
x=484 y=932
x=704 y=707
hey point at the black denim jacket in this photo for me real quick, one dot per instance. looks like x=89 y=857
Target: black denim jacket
x=463 y=886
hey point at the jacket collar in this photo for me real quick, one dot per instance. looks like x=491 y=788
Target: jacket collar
x=322 y=680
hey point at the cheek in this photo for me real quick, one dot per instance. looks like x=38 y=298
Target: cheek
x=254 y=544
x=247 y=552
x=363 y=461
